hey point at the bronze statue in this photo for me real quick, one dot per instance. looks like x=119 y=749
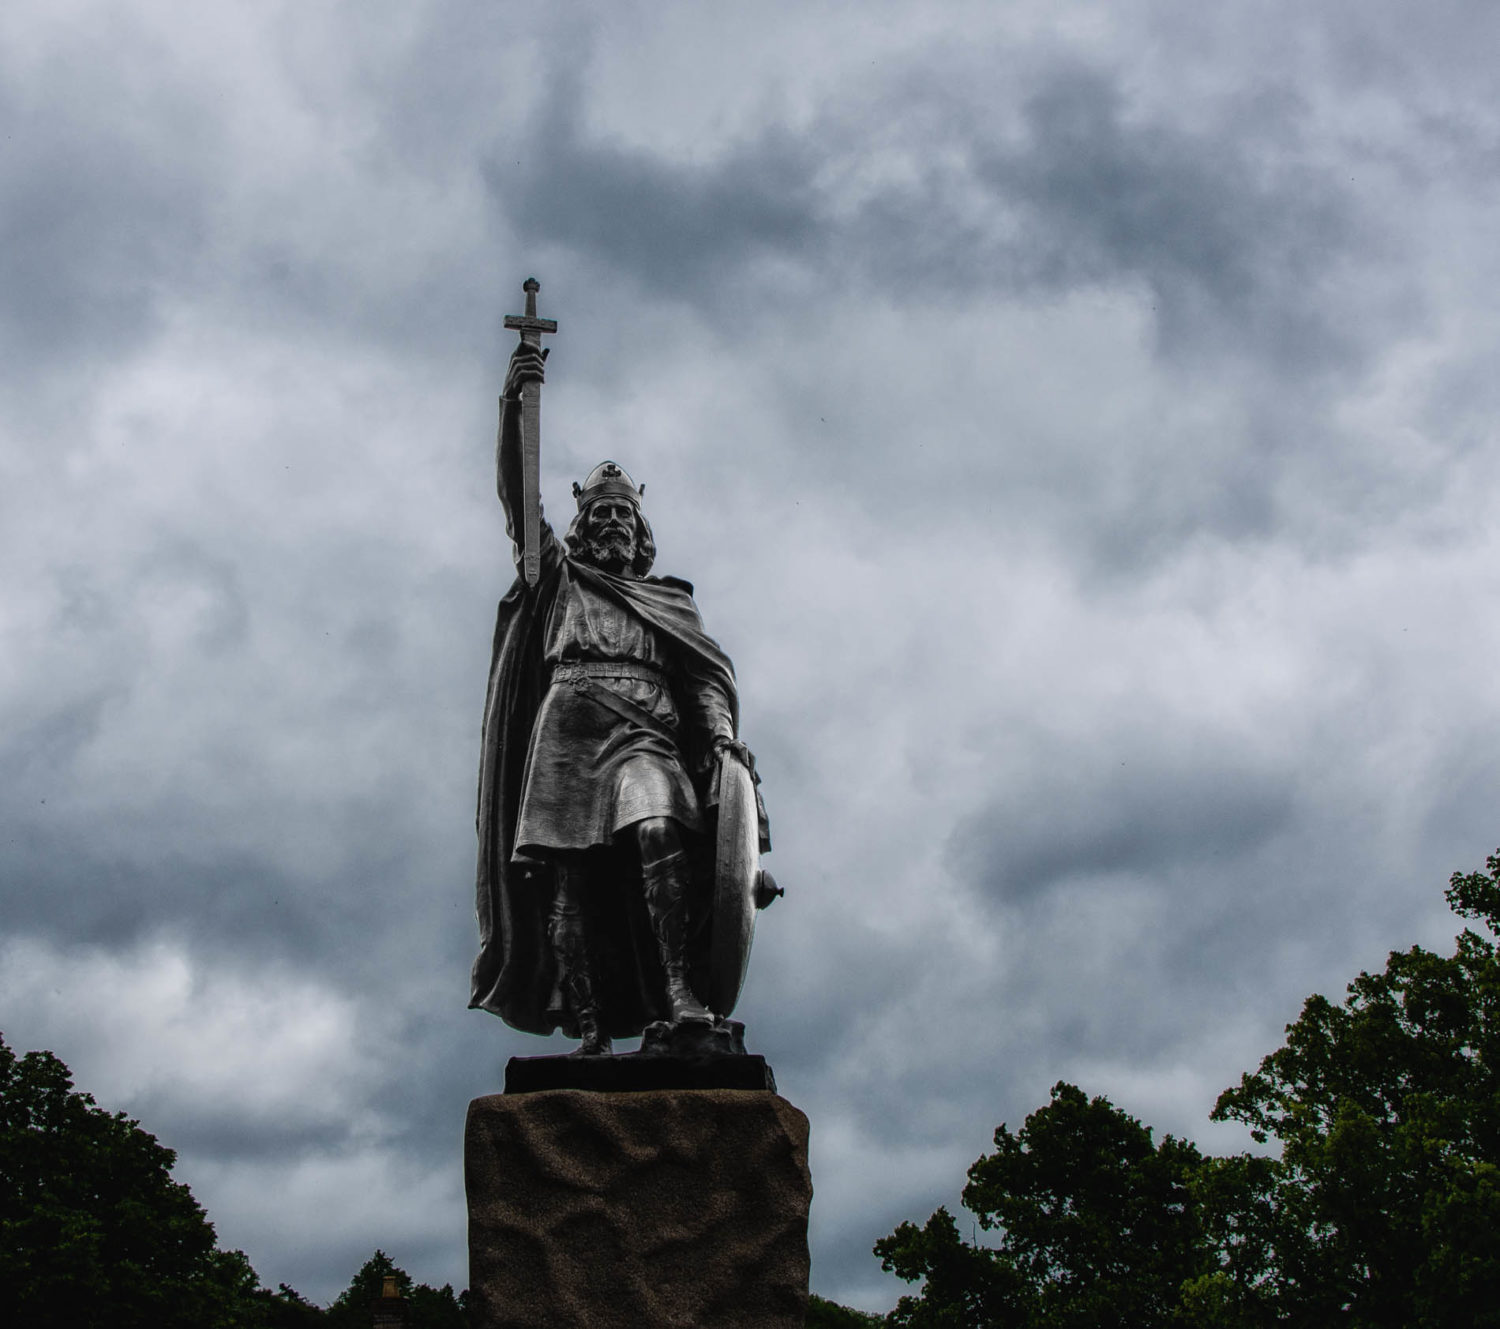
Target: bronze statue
x=619 y=820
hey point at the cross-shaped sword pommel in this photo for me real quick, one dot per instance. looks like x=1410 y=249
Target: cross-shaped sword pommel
x=531 y=328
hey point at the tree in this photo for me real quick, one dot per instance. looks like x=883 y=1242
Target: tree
x=287 y=1308
x=1382 y=1208
x=426 y=1307
x=1093 y=1222
x=1387 y=1193
x=95 y=1232
x=823 y=1314
x=963 y=1285
x=93 y=1229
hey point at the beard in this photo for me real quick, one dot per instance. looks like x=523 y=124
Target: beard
x=612 y=548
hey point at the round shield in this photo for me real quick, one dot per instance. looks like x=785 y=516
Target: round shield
x=736 y=865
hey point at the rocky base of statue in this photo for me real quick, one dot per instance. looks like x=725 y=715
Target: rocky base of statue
x=675 y=1209
x=684 y=1055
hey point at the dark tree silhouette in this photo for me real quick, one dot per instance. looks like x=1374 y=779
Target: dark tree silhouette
x=1092 y=1221
x=1381 y=1209
x=426 y=1307
x=93 y=1229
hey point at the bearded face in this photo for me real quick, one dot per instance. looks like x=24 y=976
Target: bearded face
x=609 y=534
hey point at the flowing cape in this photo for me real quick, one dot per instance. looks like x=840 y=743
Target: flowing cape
x=514 y=974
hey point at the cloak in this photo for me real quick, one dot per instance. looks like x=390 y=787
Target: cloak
x=514 y=975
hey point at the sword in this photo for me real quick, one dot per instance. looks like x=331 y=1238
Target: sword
x=531 y=328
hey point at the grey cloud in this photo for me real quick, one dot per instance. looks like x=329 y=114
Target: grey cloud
x=1268 y=280
x=229 y=1137
x=1084 y=815
x=851 y=974
x=1462 y=794
x=1225 y=225
x=211 y=581
x=239 y=903
x=38 y=750
x=679 y=231
x=97 y=219
x=1230 y=232
x=112 y=192
x=167 y=869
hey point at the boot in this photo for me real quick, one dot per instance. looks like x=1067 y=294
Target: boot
x=595 y=1042
x=575 y=978
x=665 y=885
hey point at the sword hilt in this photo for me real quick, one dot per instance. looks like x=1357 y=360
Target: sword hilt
x=528 y=324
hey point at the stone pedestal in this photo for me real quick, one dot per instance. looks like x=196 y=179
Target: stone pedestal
x=657 y=1209
x=388 y=1311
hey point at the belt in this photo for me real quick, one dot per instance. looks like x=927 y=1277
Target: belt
x=571 y=670
x=584 y=676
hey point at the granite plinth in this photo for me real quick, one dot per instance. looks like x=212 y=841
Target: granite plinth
x=658 y=1209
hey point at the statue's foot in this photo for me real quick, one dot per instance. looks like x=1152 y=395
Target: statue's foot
x=594 y=1041
x=599 y=1045
x=686 y=1008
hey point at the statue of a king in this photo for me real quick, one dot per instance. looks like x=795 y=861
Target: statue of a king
x=609 y=718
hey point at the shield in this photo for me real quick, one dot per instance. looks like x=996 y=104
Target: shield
x=736 y=873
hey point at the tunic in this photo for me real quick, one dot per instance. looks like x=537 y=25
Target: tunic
x=589 y=771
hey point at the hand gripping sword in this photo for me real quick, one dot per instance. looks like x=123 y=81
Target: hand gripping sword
x=531 y=328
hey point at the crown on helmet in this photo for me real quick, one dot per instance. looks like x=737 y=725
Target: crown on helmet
x=607 y=478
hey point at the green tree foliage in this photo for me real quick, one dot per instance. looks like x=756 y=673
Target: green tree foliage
x=1382 y=1208
x=1387 y=1107
x=287 y=1308
x=426 y=1307
x=1092 y=1220
x=823 y=1314
x=93 y=1230
x=351 y=1309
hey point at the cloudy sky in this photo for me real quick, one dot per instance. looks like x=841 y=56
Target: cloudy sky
x=1078 y=421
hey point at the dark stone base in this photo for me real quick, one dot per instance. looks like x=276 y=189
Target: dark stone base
x=648 y=1210
x=672 y=1056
